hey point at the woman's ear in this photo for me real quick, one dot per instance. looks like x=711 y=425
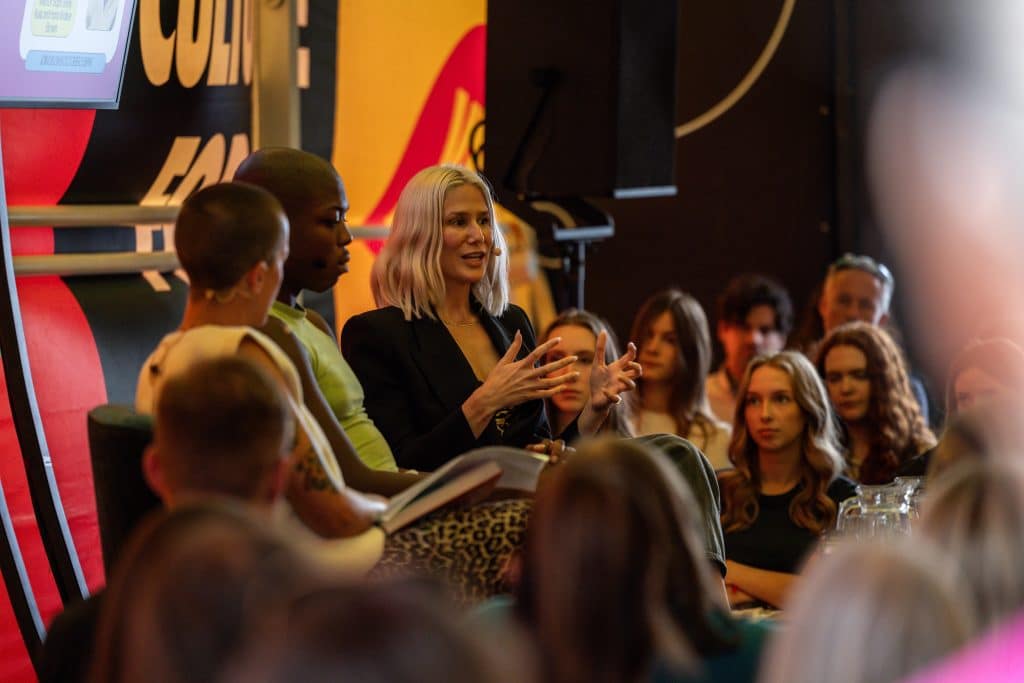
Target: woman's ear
x=154 y=474
x=256 y=277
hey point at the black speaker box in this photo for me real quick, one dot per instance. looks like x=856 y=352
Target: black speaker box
x=581 y=97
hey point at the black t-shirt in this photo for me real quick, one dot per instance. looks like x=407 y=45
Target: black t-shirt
x=774 y=542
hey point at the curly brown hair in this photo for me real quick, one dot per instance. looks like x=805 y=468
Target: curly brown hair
x=820 y=464
x=899 y=431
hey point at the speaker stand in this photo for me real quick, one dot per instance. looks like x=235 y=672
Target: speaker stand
x=577 y=227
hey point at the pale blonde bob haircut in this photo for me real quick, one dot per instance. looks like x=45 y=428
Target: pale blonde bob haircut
x=407 y=274
x=869 y=613
x=974 y=512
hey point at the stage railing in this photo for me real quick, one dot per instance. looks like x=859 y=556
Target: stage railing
x=112 y=215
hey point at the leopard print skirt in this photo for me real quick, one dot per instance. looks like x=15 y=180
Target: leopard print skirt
x=467 y=549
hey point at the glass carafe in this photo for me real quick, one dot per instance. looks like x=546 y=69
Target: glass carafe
x=913 y=489
x=875 y=512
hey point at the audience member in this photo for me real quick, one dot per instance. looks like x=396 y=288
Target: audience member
x=787 y=484
x=755 y=316
x=675 y=351
x=975 y=513
x=652 y=610
x=389 y=633
x=447 y=364
x=222 y=429
x=578 y=331
x=985 y=372
x=188 y=585
x=868 y=613
x=986 y=379
x=313 y=198
x=867 y=382
x=858 y=288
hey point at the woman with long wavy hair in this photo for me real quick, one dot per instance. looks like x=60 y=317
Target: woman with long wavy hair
x=787 y=483
x=675 y=351
x=615 y=581
x=868 y=385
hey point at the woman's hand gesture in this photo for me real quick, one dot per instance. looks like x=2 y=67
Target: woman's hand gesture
x=512 y=382
x=608 y=381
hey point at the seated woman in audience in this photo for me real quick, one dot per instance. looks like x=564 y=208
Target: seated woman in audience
x=675 y=351
x=313 y=198
x=186 y=588
x=578 y=331
x=615 y=582
x=987 y=379
x=867 y=382
x=387 y=633
x=975 y=514
x=869 y=613
x=447 y=364
x=787 y=484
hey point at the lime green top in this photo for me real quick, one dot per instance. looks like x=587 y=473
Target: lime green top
x=340 y=387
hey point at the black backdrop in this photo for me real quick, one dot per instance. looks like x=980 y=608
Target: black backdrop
x=756 y=187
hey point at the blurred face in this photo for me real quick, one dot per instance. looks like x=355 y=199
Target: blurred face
x=466 y=225
x=846 y=376
x=757 y=335
x=659 y=350
x=319 y=237
x=852 y=295
x=974 y=386
x=774 y=419
x=576 y=341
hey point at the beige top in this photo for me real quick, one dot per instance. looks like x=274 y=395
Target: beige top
x=180 y=350
x=721 y=396
x=714 y=444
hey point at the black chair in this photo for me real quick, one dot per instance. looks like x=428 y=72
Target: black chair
x=118 y=436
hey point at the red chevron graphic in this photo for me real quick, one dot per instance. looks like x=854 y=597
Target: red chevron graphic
x=42 y=150
x=463 y=69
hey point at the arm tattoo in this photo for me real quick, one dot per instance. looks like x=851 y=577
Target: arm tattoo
x=313 y=476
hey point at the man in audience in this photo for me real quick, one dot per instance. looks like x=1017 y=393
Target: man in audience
x=755 y=316
x=856 y=287
x=222 y=428
x=859 y=288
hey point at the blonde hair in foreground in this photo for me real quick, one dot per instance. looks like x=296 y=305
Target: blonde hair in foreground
x=974 y=512
x=868 y=613
x=407 y=274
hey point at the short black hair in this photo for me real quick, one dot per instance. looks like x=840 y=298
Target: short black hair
x=225 y=229
x=746 y=291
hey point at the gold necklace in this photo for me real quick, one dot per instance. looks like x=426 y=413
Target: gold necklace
x=468 y=323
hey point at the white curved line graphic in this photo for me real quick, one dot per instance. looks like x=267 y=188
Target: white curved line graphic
x=748 y=81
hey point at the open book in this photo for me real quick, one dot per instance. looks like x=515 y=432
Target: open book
x=495 y=466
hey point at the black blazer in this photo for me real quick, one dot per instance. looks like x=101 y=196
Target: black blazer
x=416 y=379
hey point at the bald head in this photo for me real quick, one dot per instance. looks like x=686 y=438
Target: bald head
x=293 y=176
x=314 y=199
